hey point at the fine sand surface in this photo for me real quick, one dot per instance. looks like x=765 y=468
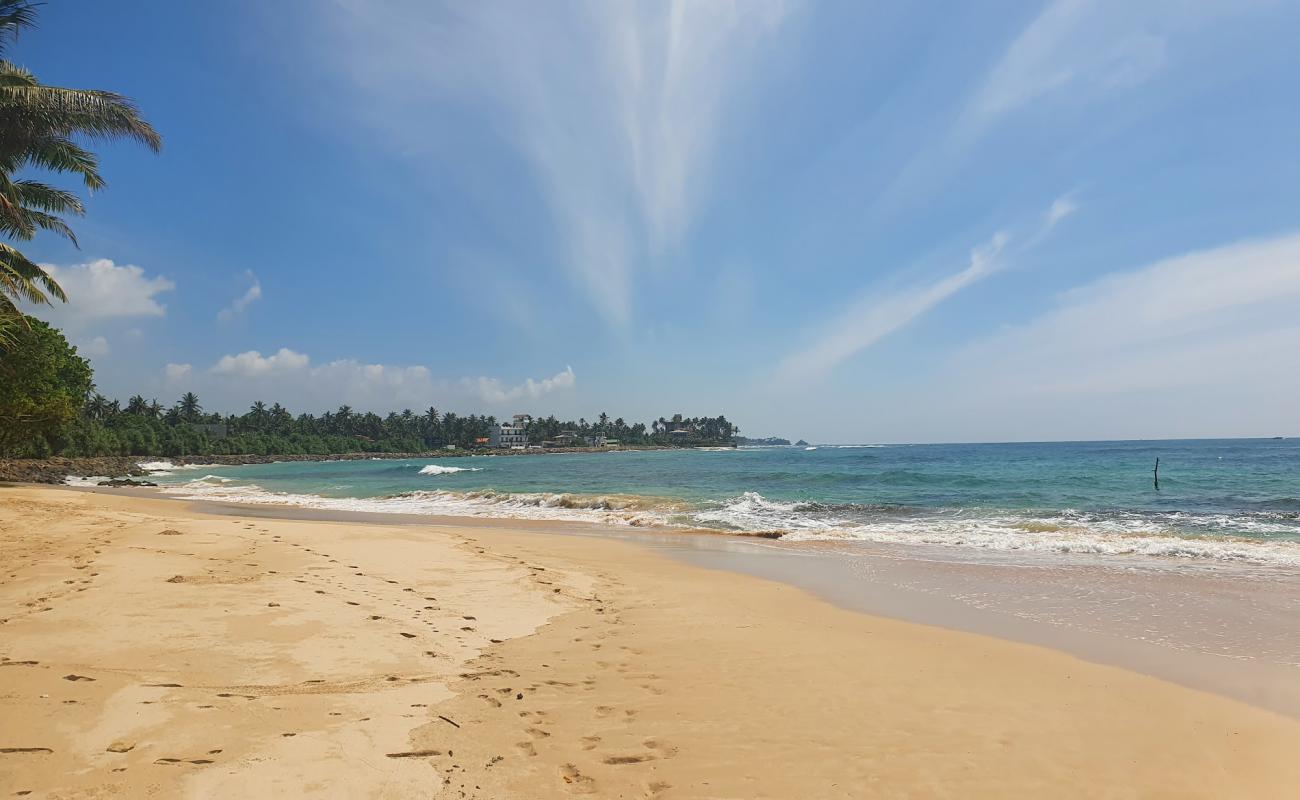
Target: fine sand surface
x=151 y=650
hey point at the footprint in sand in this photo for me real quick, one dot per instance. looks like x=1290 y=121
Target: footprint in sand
x=578 y=783
x=634 y=759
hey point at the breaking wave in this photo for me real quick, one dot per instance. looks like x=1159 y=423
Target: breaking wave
x=614 y=509
x=1260 y=537
x=438 y=469
x=1226 y=537
x=165 y=467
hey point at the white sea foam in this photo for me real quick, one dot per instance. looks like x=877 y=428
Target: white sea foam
x=810 y=448
x=607 y=509
x=166 y=467
x=1066 y=532
x=438 y=469
x=84 y=480
x=753 y=512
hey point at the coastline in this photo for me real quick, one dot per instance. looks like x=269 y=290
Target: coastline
x=932 y=587
x=639 y=675
x=57 y=469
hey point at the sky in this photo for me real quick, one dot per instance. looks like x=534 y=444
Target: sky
x=846 y=222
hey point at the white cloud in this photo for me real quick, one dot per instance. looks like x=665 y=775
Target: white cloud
x=493 y=391
x=94 y=348
x=252 y=363
x=873 y=317
x=100 y=290
x=291 y=378
x=616 y=106
x=237 y=306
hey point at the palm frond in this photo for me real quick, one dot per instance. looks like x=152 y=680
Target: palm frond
x=42 y=197
x=14 y=16
x=53 y=153
x=20 y=276
x=87 y=112
x=53 y=224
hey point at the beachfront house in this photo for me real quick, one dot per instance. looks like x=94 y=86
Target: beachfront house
x=510 y=434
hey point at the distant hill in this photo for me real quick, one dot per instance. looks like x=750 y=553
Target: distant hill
x=771 y=440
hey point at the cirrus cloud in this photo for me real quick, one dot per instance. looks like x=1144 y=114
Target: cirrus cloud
x=239 y=304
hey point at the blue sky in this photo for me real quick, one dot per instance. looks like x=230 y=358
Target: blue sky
x=840 y=221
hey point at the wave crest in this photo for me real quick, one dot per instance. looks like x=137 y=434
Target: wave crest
x=438 y=469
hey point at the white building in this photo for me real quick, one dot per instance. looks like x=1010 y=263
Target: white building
x=510 y=434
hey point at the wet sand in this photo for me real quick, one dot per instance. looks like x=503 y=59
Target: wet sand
x=151 y=649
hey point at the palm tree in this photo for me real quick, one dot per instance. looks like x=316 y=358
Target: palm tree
x=39 y=126
x=258 y=412
x=97 y=406
x=189 y=407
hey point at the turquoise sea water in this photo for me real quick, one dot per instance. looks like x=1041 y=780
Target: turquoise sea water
x=1236 y=500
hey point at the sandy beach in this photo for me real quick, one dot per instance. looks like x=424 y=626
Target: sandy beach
x=149 y=649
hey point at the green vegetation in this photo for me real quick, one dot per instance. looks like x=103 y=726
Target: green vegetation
x=43 y=384
x=40 y=127
x=48 y=407
x=144 y=427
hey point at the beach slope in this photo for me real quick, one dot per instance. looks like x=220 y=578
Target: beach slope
x=152 y=650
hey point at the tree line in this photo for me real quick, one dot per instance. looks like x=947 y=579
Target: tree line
x=48 y=407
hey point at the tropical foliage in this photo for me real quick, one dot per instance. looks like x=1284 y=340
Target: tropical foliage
x=43 y=384
x=145 y=427
x=43 y=129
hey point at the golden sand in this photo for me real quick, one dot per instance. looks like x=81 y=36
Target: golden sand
x=150 y=650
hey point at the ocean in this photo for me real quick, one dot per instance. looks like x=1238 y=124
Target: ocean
x=1222 y=500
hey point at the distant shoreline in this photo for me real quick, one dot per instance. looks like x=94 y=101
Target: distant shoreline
x=59 y=469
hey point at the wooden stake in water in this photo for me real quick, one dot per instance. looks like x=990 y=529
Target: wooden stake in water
x=1155 y=474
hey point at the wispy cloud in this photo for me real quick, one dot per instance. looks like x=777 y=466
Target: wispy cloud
x=1085 y=47
x=252 y=294
x=615 y=105
x=1204 y=317
x=873 y=316
x=1070 y=61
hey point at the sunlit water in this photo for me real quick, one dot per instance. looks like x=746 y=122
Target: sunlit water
x=1219 y=500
